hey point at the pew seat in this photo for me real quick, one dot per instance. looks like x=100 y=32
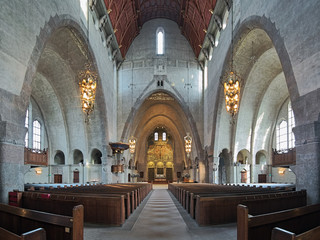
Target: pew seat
x=281 y=234
x=37 y=234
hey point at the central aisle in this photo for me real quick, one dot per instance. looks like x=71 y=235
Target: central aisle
x=160 y=219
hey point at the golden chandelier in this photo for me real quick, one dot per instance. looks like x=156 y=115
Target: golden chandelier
x=187 y=143
x=232 y=92
x=132 y=144
x=88 y=85
x=232 y=83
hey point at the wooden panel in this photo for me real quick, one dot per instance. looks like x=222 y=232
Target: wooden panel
x=35 y=157
x=76 y=177
x=150 y=174
x=57 y=178
x=284 y=158
x=262 y=178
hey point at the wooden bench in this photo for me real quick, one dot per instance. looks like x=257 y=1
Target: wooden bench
x=223 y=209
x=20 y=220
x=100 y=209
x=298 y=221
x=37 y=234
x=107 y=204
x=213 y=204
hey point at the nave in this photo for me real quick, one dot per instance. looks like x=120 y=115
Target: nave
x=160 y=216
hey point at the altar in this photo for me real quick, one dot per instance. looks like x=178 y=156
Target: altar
x=160 y=179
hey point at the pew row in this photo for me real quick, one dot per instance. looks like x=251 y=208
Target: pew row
x=223 y=209
x=37 y=234
x=20 y=220
x=99 y=209
x=298 y=221
x=108 y=204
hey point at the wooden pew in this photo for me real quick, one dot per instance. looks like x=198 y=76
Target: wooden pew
x=106 y=204
x=108 y=210
x=223 y=209
x=298 y=221
x=37 y=234
x=19 y=220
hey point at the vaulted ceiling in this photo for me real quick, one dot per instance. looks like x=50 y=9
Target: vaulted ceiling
x=128 y=16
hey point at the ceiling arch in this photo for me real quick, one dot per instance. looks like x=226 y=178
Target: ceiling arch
x=128 y=16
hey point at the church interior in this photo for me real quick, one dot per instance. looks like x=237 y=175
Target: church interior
x=174 y=105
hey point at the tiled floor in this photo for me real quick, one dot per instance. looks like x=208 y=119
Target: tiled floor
x=160 y=216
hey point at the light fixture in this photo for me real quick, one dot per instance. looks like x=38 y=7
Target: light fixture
x=281 y=171
x=232 y=92
x=38 y=171
x=87 y=81
x=187 y=143
x=232 y=83
x=132 y=144
x=88 y=85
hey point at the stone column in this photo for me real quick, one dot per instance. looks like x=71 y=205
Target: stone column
x=307 y=166
x=12 y=167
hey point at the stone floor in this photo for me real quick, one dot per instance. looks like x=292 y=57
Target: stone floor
x=160 y=216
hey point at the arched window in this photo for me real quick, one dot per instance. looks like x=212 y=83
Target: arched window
x=156 y=136
x=291 y=125
x=282 y=135
x=164 y=136
x=160 y=41
x=36 y=135
x=26 y=124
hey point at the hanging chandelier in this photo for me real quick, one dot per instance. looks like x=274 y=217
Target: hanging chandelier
x=232 y=83
x=232 y=92
x=132 y=144
x=187 y=144
x=88 y=85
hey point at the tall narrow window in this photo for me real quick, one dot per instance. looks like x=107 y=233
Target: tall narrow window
x=291 y=125
x=156 y=136
x=26 y=124
x=36 y=135
x=282 y=135
x=160 y=41
x=164 y=136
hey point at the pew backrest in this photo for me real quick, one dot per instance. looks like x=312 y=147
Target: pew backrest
x=297 y=220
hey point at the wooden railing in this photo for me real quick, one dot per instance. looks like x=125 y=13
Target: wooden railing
x=35 y=157
x=284 y=158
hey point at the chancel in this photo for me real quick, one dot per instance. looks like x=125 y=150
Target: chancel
x=159 y=117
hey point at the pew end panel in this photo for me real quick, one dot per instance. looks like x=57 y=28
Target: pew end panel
x=242 y=222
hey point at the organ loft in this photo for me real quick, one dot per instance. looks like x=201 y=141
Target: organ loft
x=150 y=119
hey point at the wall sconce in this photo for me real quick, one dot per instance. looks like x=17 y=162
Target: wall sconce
x=281 y=171
x=38 y=171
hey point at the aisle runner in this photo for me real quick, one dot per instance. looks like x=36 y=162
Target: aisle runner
x=160 y=219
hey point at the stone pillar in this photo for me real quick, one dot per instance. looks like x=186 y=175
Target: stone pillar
x=308 y=160
x=12 y=167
